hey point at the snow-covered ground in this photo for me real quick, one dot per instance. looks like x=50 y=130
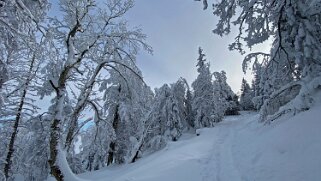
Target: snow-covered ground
x=239 y=148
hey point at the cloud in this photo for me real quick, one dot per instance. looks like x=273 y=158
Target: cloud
x=175 y=29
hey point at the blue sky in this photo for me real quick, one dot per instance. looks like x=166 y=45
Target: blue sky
x=175 y=30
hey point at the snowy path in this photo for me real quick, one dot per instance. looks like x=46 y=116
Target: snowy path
x=226 y=166
x=207 y=157
x=237 y=149
x=220 y=163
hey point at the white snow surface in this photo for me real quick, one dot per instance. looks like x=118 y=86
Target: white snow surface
x=237 y=149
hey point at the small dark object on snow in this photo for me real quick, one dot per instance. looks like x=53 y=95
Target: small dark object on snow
x=198 y=132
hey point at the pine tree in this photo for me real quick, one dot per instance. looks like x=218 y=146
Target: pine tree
x=246 y=97
x=189 y=109
x=257 y=86
x=292 y=68
x=179 y=91
x=225 y=93
x=204 y=108
x=170 y=111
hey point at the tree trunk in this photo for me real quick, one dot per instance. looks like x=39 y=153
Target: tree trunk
x=71 y=131
x=111 y=152
x=54 y=151
x=136 y=154
x=81 y=103
x=8 y=164
x=55 y=131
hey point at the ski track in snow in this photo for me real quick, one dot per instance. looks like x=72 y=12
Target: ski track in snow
x=220 y=162
x=236 y=149
x=208 y=157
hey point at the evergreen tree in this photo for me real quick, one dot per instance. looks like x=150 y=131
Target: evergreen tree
x=257 y=86
x=225 y=93
x=204 y=102
x=189 y=109
x=291 y=72
x=179 y=90
x=170 y=112
x=246 y=97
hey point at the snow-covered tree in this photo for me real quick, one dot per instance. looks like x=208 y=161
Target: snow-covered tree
x=246 y=97
x=179 y=91
x=169 y=114
x=155 y=131
x=90 y=39
x=24 y=108
x=127 y=99
x=189 y=116
x=205 y=102
x=18 y=22
x=294 y=27
x=95 y=146
x=20 y=56
x=225 y=94
x=257 y=86
x=33 y=149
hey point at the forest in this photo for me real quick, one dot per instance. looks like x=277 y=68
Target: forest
x=100 y=111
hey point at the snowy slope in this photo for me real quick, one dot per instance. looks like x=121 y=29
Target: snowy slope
x=239 y=148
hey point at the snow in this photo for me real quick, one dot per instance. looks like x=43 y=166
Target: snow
x=239 y=148
x=77 y=145
x=63 y=164
x=62 y=161
x=287 y=149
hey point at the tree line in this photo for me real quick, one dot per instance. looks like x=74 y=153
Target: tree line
x=84 y=61
x=287 y=79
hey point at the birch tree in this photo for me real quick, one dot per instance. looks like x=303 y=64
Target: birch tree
x=89 y=39
x=19 y=64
